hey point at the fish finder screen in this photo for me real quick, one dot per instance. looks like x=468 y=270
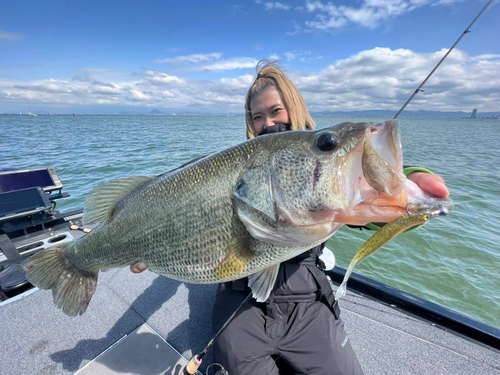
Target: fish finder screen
x=16 y=180
x=22 y=201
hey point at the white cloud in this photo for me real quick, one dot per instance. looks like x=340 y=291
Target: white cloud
x=370 y=13
x=10 y=37
x=242 y=82
x=158 y=78
x=230 y=64
x=276 y=5
x=290 y=56
x=274 y=57
x=382 y=78
x=209 y=62
x=297 y=27
x=379 y=78
x=485 y=57
x=301 y=56
x=194 y=58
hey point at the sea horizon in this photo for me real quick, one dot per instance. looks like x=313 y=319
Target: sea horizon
x=451 y=261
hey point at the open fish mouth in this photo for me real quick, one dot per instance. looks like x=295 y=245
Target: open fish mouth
x=386 y=209
x=382 y=191
x=382 y=159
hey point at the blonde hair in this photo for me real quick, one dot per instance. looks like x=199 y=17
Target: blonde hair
x=269 y=74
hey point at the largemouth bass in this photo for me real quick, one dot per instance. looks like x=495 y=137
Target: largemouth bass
x=237 y=213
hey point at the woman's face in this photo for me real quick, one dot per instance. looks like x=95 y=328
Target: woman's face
x=268 y=109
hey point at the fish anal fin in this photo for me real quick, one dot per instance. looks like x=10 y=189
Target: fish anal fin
x=262 y=283
x=237 y=257
x=103 y=202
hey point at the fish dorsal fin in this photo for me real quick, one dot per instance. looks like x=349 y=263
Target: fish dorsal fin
x=262 y=283
x=104 y=198
x=238 y=254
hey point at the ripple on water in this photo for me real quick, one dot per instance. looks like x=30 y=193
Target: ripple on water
x=452 y=261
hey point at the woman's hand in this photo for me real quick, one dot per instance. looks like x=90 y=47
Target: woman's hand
x=431 y=183
x=138 y=267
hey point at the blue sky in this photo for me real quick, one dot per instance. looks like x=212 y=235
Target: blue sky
x=200 y=56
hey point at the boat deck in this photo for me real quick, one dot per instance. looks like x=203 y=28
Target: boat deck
x=39 y=339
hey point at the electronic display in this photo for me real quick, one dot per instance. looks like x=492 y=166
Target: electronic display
x=26 y=200
x=46 y=178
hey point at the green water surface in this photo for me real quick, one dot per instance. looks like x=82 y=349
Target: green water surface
x=453 y=261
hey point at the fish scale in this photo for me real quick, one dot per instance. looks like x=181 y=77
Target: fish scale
x=237 y=213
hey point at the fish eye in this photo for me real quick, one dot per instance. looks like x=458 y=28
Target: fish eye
x=327 y=142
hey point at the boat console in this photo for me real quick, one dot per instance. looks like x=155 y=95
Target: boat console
x=29 y=222
x=45 y=178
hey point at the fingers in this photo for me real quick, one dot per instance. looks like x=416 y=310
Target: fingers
x=138 y=267
x=431 y=183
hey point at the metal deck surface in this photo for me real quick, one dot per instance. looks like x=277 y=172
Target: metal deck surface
x=141 y=352
x=40 y=340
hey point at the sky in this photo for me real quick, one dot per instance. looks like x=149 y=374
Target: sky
x=200 y=56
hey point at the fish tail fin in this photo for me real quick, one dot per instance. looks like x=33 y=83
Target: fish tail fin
x=71 y=289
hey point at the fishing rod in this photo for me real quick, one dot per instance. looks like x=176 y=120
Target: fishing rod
x=195 y=362
x=419 y=88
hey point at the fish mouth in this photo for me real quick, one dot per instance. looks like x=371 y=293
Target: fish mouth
x=382 y=159
x=387 y=209
x=381 y=190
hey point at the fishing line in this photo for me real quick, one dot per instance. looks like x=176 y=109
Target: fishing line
x=475 y=201
x=221 y=371
x=471 y=201
x=195 y=362
x=419 y=88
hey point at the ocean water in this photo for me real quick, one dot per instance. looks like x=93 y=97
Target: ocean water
x=453 y=261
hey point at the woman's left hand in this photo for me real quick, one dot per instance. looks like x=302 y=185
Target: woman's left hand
x=431 y=183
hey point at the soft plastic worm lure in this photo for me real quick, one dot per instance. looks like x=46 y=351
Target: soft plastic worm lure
x=415 y=215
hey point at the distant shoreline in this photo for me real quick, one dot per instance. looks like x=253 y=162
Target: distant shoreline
x=384 y=114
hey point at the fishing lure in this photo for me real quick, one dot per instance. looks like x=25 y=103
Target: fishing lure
x=416 y=214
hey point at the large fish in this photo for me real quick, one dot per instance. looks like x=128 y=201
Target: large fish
x=236 y=213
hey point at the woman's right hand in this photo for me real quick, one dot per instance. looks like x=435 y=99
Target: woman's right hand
x=138 y=267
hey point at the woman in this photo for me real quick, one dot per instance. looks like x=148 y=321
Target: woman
x=297 y=330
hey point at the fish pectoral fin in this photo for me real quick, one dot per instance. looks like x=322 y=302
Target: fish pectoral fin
x=254 y=189
x=103 y=202
x=260 y=230
x=262 y=283
x=238 y=254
